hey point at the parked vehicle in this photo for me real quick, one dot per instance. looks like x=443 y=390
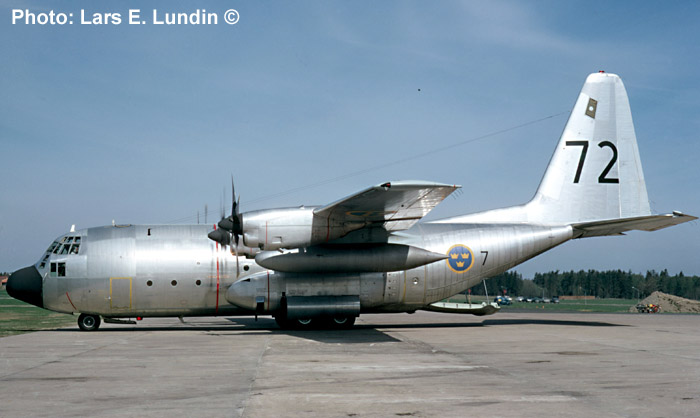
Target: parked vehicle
x=650 y=308
x=501 y=300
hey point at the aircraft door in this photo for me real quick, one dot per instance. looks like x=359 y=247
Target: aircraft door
x=120 y=292
x=414 y=286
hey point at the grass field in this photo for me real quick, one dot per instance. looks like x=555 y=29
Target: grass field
x=597 y=305
x=18 y=317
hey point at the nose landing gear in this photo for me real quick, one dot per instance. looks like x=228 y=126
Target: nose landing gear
x=89 y=322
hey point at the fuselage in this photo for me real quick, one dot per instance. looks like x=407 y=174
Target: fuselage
x=175 y=270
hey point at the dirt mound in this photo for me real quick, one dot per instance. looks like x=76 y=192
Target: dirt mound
x=670 y=303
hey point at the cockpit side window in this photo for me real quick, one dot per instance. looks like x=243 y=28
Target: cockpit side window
x=58 y=269
x=51 y=249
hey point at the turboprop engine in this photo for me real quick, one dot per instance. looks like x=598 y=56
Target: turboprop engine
x=273 y=229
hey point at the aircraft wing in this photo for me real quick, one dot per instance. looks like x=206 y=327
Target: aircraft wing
x=619 y=226
x=395 y=206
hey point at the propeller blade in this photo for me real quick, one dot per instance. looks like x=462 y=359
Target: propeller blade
x=220 y=236
x=226 y=223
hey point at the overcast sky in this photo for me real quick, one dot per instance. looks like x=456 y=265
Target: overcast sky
x=146 y=123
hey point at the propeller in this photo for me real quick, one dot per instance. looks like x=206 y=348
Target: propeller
x=230 y=227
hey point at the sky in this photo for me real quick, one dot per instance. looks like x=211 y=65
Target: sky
x=307 y=102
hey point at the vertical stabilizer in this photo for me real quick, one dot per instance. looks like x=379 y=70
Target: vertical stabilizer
x=595 y=172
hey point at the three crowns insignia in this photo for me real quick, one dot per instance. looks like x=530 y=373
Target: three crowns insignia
x=462 y=256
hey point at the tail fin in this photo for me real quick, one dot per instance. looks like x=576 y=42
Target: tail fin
x=595 y=172
x=594 y=181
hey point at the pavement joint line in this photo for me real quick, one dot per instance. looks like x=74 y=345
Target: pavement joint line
x=258 y=365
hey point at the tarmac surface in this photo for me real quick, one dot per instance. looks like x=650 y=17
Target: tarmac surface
x=421 y=365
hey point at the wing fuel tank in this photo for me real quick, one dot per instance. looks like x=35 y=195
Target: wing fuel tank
x=349 y=259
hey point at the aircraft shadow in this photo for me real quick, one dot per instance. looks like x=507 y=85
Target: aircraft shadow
x=249 y=326
x=359 y=334
x=494 y=322
x=530 y=321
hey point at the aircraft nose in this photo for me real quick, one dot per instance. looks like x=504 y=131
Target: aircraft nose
x=25 y=285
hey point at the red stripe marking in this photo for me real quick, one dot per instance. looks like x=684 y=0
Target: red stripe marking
x=268 y=290
x=71 y=302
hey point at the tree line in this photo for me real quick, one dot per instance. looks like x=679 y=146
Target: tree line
x=601 y=284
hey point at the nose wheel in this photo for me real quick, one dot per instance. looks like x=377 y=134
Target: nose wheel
x=89 y=322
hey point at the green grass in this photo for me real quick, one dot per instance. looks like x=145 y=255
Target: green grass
x=17 y=317
x=597 y=305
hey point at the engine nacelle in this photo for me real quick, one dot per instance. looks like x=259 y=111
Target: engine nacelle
x=273 y=229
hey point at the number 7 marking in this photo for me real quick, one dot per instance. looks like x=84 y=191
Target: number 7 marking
x=485 y=257
x=584 y=150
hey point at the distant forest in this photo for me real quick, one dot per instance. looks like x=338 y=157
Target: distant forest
x=601 y=284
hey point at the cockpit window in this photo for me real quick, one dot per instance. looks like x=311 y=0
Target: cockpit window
x=58 y=269
x=64 y=246
x=67 y=245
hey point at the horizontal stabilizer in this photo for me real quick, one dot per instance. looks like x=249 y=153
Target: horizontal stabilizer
x=641 y=223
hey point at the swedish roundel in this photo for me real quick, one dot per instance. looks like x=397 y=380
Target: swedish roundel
x=460 y=258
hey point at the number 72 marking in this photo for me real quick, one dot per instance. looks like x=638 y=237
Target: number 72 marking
x=603 y=178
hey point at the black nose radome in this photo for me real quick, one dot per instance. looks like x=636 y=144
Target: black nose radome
x=25 y=285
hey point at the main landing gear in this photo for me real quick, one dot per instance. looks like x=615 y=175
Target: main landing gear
x=335 y=322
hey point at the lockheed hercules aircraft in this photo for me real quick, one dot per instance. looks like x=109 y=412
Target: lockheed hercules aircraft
x=365 y=253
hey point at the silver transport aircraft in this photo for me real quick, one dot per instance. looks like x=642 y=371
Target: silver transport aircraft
x=365 y=253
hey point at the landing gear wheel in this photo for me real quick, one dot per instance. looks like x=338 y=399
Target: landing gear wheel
x=342 y=322
x=306 y=323
x=89 y=322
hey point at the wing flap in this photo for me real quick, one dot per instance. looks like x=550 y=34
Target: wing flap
x=395 y=206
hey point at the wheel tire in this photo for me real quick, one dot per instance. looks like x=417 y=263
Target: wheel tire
x=306 y=323
x=341 y=322
x=299 y=324
x=89 y=322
